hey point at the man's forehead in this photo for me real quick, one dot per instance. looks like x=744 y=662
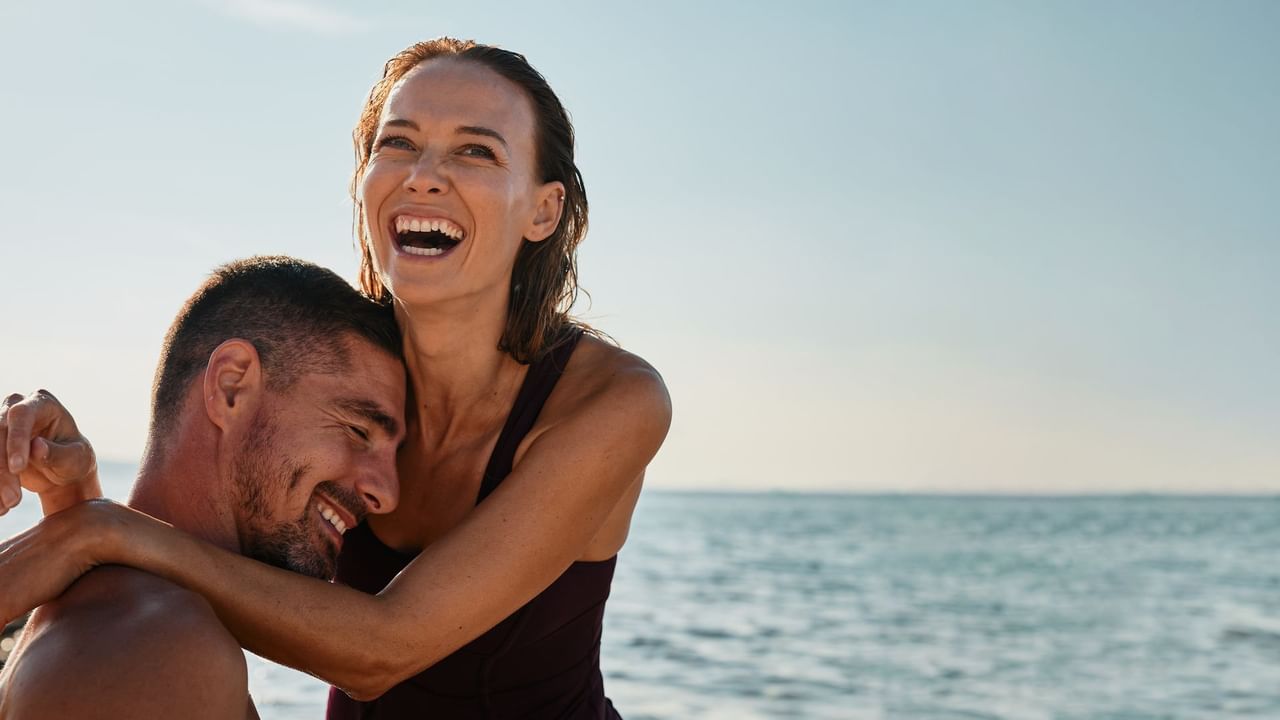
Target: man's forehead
x=373 y=392
x=372 y=369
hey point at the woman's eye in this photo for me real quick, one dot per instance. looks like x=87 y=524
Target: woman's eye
x=478 y=151
x=393 y=141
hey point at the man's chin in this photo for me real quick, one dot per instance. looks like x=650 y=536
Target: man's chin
x=319 y=571
x=316 y=566
x=310 y=563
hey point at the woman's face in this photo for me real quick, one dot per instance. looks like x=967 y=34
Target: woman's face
x=451 y=187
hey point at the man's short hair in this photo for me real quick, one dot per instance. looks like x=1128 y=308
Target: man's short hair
x=296 y=314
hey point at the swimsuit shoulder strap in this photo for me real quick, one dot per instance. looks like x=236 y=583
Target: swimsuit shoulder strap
x=538 y=383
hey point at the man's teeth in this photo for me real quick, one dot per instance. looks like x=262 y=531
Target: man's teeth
x=408 y=224
x=333 y=518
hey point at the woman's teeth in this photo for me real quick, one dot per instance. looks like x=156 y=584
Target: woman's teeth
x=422 y=250
x=408 y=224
x=332 y=517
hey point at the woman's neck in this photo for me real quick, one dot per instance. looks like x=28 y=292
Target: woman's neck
x=458 y=377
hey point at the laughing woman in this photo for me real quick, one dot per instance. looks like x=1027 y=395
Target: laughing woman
x=482 y=593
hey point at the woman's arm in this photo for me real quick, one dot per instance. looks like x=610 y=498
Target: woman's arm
x=510 y=548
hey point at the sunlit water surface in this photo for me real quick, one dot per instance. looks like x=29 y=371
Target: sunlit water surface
x=802 y=606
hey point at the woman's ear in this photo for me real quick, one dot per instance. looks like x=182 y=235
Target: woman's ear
x=233 y=383
x=548 y=211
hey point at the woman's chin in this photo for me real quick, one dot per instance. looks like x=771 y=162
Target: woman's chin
x=415 y=295
x=476 y=307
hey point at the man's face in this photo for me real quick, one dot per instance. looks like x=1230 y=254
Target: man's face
x=317 y=458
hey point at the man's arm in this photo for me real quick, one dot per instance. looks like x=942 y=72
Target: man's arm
x=110 y=650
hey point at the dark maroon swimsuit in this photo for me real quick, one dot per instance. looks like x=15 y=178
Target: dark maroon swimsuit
x=543 y=661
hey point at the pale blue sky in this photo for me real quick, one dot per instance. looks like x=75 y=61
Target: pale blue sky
x=990 y=246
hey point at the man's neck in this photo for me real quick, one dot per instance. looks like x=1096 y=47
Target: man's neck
x=187 y=496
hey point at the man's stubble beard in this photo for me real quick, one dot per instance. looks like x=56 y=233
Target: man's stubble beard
x=261 y=472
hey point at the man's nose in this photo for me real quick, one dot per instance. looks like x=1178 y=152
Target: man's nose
x=379 y=486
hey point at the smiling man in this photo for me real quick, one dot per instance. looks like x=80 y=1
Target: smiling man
x=276 y=413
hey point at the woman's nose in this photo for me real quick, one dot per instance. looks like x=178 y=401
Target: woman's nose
x=426 y=177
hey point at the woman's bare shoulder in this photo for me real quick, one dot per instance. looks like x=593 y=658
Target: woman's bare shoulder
x=599 y=368
x=602 y=376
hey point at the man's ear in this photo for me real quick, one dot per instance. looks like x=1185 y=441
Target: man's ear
x=547 y=212
x=233 y=383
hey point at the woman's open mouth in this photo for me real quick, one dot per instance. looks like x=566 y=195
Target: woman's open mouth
x=426 y=236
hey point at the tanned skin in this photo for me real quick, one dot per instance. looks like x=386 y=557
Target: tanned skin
x=455 y=143
x=122 y=643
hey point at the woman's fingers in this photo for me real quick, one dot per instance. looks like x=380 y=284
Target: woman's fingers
x=10 y=485
x=10 y=492
x=63 y=462
x=42 y=446
x=17 y=417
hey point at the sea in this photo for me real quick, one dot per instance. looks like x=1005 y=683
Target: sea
x=782 y=605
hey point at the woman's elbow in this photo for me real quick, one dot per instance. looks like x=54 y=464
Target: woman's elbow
x=369 y=685
x=366 y=693
x=378 y=673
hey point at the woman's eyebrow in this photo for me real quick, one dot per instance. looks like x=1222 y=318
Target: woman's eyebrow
x=481 y=130
x=401 y=122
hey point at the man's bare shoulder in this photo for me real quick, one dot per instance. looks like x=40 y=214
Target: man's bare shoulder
x=124 y=643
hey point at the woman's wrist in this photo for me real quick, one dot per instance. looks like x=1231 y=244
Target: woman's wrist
x=103 y=538
x=62 y=497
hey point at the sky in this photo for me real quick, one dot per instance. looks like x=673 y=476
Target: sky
x=1019 y=247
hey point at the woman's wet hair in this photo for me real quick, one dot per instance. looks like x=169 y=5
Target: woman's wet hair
x=544 y=281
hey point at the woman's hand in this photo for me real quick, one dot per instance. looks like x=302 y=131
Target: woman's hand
x=37 y=565
x=45 y=453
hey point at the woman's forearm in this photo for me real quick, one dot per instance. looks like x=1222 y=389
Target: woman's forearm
x=340 y=635
x=509 y=549
x=363 y=644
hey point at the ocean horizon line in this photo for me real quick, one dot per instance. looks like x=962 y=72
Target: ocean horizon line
x=122 y=466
